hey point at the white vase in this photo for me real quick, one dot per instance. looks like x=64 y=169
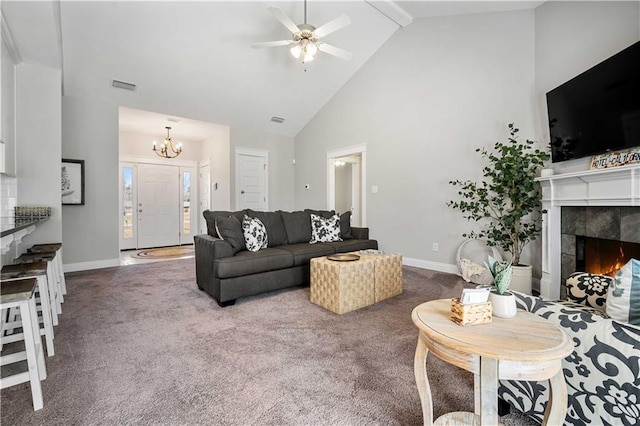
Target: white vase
x=521 y=279
x=504 y=305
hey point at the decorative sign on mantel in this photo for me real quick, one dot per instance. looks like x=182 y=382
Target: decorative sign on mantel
x=616 y=159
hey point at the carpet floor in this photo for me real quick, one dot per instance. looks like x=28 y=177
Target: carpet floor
x=141 y=344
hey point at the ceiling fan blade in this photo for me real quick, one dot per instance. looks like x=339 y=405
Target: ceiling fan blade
x=334 y=25
x=335 y=51
x=272 y=43
x=284 y=19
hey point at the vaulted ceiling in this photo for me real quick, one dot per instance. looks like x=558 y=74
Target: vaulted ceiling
x=194 y=59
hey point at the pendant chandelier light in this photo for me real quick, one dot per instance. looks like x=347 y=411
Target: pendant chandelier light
x=167 y=149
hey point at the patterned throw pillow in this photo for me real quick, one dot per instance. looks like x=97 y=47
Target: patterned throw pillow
x=325 y=230
x=588 y=289
x=623 y=297
x=255 y=233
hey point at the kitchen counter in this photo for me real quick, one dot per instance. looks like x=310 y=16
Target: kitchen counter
x=11 y=225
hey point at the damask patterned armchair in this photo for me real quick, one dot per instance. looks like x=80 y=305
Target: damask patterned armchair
x=603 y=372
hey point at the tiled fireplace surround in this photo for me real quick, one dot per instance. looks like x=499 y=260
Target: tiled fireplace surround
x=599 y=199
x=609 y=223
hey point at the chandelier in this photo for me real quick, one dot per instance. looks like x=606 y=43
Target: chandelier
x=167 y=149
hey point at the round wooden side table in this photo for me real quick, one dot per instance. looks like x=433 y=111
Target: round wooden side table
x=525 y=347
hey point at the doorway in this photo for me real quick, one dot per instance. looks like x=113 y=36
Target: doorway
x=158 y=204
x=252 y=179
x=346 y=182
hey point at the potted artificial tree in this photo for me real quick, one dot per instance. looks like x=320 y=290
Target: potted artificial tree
x=508 y=198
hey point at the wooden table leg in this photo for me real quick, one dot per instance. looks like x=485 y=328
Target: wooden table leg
x=556 y=410
x=488 y=391
x=424 y=390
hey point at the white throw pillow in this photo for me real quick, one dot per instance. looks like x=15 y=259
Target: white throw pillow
x=623 y=296
x=325 y=230
x=255 y=233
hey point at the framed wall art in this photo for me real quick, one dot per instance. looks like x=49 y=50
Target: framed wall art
x=72 y=182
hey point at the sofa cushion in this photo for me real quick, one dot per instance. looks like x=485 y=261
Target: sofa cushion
x=588 y=289
x=345 y=225
x=324 y=213
x=298 y=226
x=255 y=233
x=275 y=227
x=247 y=263
x=352 y=245
x=210 y=217
x=303 y=252
x=623 y=296
x=325 y=230
x=230 y=230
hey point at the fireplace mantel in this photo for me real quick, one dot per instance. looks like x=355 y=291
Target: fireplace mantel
x=607 y=187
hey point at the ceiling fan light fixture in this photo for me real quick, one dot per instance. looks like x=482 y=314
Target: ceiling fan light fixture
x=296 y=51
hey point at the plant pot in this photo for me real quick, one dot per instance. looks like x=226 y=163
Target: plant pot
x=504 y=305
x=521 y=279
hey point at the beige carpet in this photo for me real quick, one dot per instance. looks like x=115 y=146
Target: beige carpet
x=141 y=344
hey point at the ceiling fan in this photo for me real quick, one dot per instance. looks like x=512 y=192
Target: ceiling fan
x=306 y=38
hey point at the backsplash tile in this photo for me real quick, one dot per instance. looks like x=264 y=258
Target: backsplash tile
x=8 y=194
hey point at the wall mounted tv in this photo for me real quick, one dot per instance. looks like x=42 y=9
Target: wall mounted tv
x=597 y=111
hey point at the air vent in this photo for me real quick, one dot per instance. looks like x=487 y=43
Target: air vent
x=173 y=120
x=123 y=85
x=277 y=119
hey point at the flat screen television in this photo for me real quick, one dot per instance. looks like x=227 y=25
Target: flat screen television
x=597 y=111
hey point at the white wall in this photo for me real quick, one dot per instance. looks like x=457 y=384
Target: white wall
x=216 y=148
x=281 y=169
x=140 y=145
x=38 y=146
x=436 y=91
x=90 y=232
x=572 y=37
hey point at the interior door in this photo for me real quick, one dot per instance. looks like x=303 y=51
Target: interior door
x=204 y=183
x=158 y=206
x=251 y=174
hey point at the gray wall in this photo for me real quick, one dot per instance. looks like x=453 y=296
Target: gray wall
x=216 y=149
x=281 y=189
x=90 y=133
x=38 y=142
x=436 y=91
x=571 y=37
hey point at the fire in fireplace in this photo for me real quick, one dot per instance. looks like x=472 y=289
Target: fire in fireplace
x=605 y=257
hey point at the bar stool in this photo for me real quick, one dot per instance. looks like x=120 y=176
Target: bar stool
x=21 y=294
x=54 y=283
x=57 y=249
x=37 y=270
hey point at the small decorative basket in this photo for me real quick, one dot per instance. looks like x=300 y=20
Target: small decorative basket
x=478 y=313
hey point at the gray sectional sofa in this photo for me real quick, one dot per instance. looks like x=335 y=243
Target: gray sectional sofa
x=227 y=271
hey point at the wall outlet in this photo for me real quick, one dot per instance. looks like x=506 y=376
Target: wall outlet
x=435 y=247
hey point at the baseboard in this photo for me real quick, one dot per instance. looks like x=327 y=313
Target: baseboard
x=84 y=266
x=427 y=264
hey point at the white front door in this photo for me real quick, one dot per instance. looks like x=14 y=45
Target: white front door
x=158 y=206
x=204 y=183
x=251 y=182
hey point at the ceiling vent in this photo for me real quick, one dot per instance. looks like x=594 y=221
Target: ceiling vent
x=123 y=85
x=173 y=120
x=277 y=119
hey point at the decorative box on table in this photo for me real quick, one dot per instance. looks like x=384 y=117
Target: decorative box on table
x=477 y=313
